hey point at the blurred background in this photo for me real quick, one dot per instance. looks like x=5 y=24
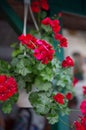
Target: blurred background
x=73 y=28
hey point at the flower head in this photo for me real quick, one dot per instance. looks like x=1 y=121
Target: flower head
x=28 y=40
x=8 y=87
x=84 y=90
x=59 y=98
x=37 y=5
x=83 y=107
x=69 y=96
x=68 y=62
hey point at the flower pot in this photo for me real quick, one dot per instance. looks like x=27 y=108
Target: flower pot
x=23 y=100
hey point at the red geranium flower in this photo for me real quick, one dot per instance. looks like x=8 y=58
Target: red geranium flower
x=78 y=126
x=53 y=23
x=44 y=52
x=28 y=40
x=37 y=5
x=2 y=78
x=83 y=107
x=8 y=87
x=46 y=21
x=84 y=90
x=69 y=96
x=55 y=26
x=44 y=4
x=68 y=62
x=75 y=81
x=59 y=98
x=62 y=40
x=64 y=64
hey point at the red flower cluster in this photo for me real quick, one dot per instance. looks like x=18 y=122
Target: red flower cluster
x=81 y=124
x=75 y=81
x=37 y=5
x=28 y=40
x=84 y=90
x=59 y=97
x=8 y=87
x=54 y=24
x=62 y=40
x=68 y=62
x=42 y=50
x=83 y=107
x=69 y=96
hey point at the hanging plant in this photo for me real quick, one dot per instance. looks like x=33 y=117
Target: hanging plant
x=36 y=68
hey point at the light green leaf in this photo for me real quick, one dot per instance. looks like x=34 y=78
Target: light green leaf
x=41 y=85
x=53 y=118
x=46 y=28
x=6 y=107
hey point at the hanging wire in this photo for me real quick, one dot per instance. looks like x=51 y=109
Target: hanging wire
x=26 y=5
x=33 y=18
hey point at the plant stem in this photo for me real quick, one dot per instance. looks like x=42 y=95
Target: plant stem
x=65 y=123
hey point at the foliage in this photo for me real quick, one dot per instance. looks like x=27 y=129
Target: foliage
x=43 y=78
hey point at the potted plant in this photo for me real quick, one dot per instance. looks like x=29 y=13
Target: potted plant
x=35 y=69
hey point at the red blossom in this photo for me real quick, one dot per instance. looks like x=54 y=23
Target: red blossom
x=59 y=98
x=46 y=21
x=75 y=81
x=2 y=78
x=83 y=107
x=44 y=52
x=44 y=5
x=83 y=120
x=64 y=64
x=68 y=62
x=84 y=90
x=78 y=126
x=28 y=40
x=55 y=26
x=37 y=5
x=8 y=87
x=62 y=40
x=69 y=96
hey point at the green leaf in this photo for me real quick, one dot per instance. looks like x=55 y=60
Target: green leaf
x=40 y=102
x=47 y=74
x=6 y=107
x=16 y=52
x=23 y=67
x=22 y=48
x=21 y=83
x=42 y=108
x=52 y=118
x=14 y=98
x=41 y=85
x=4 y=67
x=14 y=62
x=46 y=28
x=40 y=66
x=34 y=98
x=43 y=15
